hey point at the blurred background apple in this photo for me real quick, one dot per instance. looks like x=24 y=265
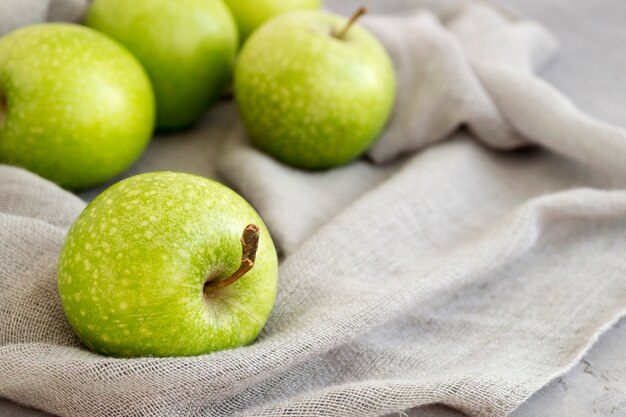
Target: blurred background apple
x=313 y=89
x=186 y=46
x=77 y=107
x=250 y=14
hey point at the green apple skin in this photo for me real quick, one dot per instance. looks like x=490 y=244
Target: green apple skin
x=250 y=14
x=77 y=107
x=187 y=47
x=308 y=98
x=132 y=270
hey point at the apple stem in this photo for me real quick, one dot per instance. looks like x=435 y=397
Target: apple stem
x=360 y=12
x=249 y=245
x=3 y=110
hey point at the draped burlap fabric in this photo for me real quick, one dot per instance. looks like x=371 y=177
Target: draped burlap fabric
x=454 y=264
x=17 y=13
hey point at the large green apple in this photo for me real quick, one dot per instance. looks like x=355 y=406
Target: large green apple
x=186 y=46
x=75 y=106
x=312 y=90
x=250 y=14
x=163 y=264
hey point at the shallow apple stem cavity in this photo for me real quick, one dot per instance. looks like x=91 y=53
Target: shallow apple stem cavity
x=343 y=32
x=249 y=246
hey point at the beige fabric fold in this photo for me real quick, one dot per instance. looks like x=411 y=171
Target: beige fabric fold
x=17 y=13
x=440 y=269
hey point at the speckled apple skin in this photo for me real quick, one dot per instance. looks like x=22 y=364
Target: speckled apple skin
x=80 y=108
x=187 y=47
x=309 y=99
x=132 y=270
x=250 y=14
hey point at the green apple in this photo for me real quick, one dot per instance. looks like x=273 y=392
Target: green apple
x=187 y=47
x=250 y=14
x=167 y=264
x=314 y=90
x=75 y=106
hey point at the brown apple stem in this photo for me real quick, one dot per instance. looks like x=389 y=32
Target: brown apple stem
x=249 y=245
x=360 y=12
x=3 y=110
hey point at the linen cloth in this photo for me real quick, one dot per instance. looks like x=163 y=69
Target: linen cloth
x=449 y=273
x=17 y=13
